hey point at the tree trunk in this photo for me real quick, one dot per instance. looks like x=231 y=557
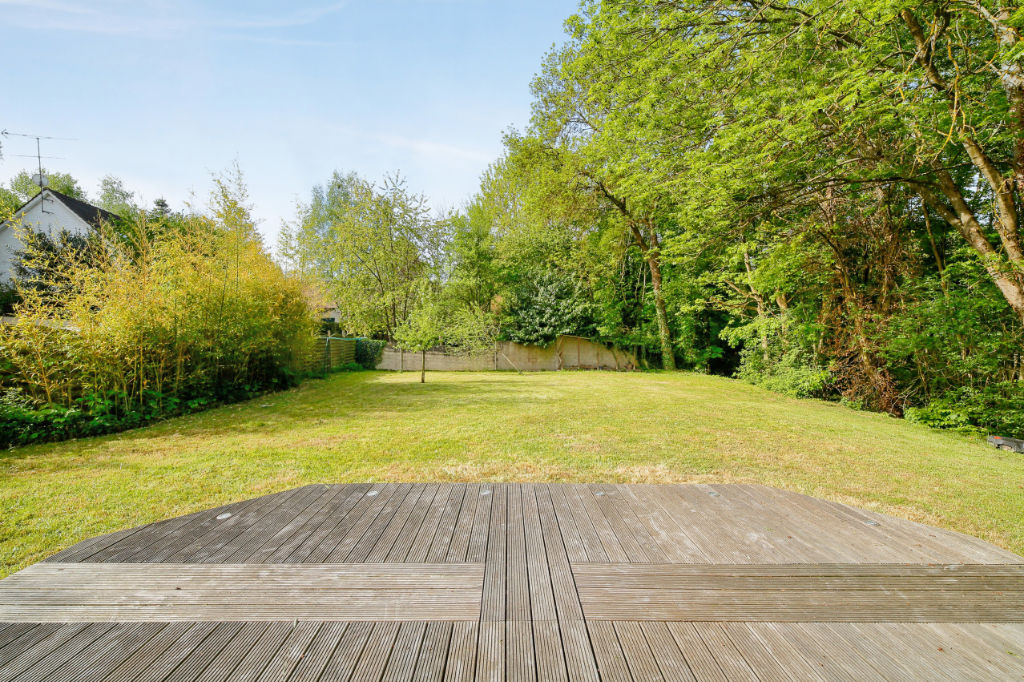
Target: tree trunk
x=762 y=311
x=649 y=247
x=959 y=214
x=1004 y=268
x=423 y=367
x=668 y=358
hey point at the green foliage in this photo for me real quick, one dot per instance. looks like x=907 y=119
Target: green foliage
x=777 y=356
x=997 y=409
x=543 y=305
x=329 y=328
x=790 y=373
x=146 y=326
x=821 y=198
x=369 y=247
x=441 y=321
x=38 y=265
x=96 y=415
x=368 y=352
x=20 y=189
x=957 y=332
x=22 y=185
x=116 y=198
x=472 y=257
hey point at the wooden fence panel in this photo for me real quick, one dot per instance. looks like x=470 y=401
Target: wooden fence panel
x=329 y=354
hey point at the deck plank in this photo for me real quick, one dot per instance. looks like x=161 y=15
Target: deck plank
x=311 y=543
x=639 y=658
x=315 y=658
x=458 y=536
x=611 y=661
x=419 y=546
x=479 y=532
x=495 y=568
x=433 y=652
x=232 y=653
x=762 y=661
x=291 y=652
x=669 y=658
x=26 y=657
x=463 y=650
x=542 y=596
x=346 y=655
x=607 y=540
x=517 y=581
x=575 y=511
x=186 y=657
x=634 y=539
x=573 y=582
x=702 y=663
x=289 y=536
x=491 y=651
x=402 y=664
x=18 y=637
x=396 y=529
x=340 y=539
x=358 y=545
x=106 y=653
x=53 y=652
x=374 y=657
x=800 y=593
x=144 y=658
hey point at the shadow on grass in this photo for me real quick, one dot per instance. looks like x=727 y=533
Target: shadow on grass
x=341 y=397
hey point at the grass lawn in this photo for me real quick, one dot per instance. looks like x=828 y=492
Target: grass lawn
x=568 y=426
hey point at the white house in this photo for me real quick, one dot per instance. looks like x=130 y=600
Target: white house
x=50 y=212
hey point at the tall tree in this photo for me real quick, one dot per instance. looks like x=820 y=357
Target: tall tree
x=568 y=134
x=115 y=197
x=789 y=99
x=371 y=247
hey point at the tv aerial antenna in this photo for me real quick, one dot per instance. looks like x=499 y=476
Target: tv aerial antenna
x=38 y=156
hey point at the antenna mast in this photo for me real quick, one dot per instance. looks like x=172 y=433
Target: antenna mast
x=39 y=153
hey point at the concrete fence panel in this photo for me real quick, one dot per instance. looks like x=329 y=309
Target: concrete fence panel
x=568 y=352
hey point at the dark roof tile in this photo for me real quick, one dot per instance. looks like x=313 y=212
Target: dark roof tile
x=94 y=215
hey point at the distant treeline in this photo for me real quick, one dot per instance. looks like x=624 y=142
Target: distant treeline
x=822 y=198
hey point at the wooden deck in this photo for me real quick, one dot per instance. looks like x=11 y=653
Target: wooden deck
x=519 y=582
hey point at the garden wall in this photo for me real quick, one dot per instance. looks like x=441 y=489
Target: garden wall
x=567 y=352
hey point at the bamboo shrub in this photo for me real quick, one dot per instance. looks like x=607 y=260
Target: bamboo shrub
x=153 y=318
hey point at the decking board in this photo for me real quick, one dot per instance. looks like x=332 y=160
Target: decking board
x=519 y=582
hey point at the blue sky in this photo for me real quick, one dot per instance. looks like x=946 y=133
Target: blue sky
x=164 y=93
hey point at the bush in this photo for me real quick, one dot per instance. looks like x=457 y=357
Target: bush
x=21 y=424
x=997 y=409
x=791 y=374
x=150 y=326
x=785 y=366
x=368 y=352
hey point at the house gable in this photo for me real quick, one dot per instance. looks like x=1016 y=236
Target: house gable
x=50 y=212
